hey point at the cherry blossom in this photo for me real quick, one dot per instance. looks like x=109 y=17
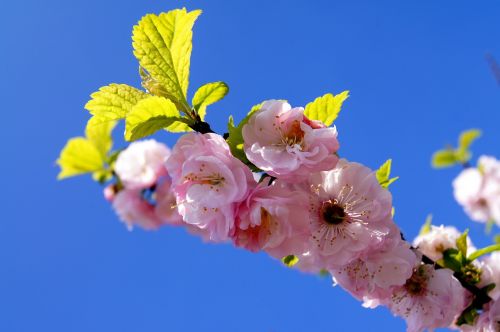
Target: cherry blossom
x=208 y=183
x=429 y=299
x=273 y=219
x=141 y=164
x=437 y=240
x=281 y=141
x=350 y=214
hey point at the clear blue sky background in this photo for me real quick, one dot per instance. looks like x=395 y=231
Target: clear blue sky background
x=417 y=76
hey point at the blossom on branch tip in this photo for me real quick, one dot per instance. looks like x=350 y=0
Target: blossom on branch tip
x=283 y=142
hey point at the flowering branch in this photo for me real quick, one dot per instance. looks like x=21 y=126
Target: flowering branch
x=310 y=208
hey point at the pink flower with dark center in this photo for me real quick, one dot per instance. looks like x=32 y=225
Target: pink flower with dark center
x=350 y=214
x=273 y=218
x=281 y=141
x=141 y=164
x=209 y=183
x=429 y=299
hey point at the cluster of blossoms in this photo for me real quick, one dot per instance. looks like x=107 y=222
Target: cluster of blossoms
x=477 y=189
x=330 y=214
x=275 y=183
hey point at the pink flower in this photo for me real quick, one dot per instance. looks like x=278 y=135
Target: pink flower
x=166 y=205
x=490 y=267
x=141 y=164
x=208 y=183
x=350 y=214
x=478 y=190
x=372 y=277
x=133 y=209
x=273 y=218
x=437 y=240
x=429 y=299
x=284 y=143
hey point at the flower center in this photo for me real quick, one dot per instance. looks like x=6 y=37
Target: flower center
x=417 y=284
x=295 y=135
x=332 y=213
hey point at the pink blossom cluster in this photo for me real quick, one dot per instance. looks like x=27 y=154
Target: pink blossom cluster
x=143 y=196
x=477 y=189
x=331 y=214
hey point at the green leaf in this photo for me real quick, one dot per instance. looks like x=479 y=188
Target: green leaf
x=467 y=138
x=114 y=101
x=149 y=116
x=426 y=228
x=462 y=243
x=383 y=174
x=79 y=156
x=208 y=94
x=326 y=108
x=162 y=44
x=468 y=316
x=444 y=158
x=453 y=259
x=99 y=133
x=497 y=238
x=478 y=253
x=235 y=139
x=290 y=260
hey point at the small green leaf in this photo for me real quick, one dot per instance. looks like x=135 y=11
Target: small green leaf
x=478 y=253
x=290 y=260
x=235 y=139
x=426 y=228
x=79 y=156
x=162 y=44
x=488 y=288
x=208 y=94
x=462 y=243
x=149 y=116
x=468 y=316
x=444 y=158
x=497 y=238
x=383 y=174
x=326 y=108
x=467 y=138
x=453 y=259
x=114 y=101
x=489 y=226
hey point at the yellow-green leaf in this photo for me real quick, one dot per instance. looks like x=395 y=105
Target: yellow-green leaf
x=326 y=108
x=444 y=158
x=149 y=116
x=114 y=101
x=208 y=94
x=426 y=228
x=461 y=243
x=235 y=139
x=99 y=133
x=162 y=44
x=383 y=174
x=467 y=138
x=79 y=156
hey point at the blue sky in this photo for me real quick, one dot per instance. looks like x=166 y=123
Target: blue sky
x=417 y=76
